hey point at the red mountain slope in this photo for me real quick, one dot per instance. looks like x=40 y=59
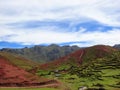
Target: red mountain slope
x=11 y=75
x=81 y=56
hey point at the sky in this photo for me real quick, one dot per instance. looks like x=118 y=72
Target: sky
x=64 y=22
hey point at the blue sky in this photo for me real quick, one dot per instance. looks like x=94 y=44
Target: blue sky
x=64 y=22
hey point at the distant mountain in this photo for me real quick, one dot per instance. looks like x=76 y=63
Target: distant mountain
x=81 y=56
x=117 y=46
x=43 y=53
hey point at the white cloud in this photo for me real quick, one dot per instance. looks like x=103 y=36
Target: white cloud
x=103 y=11
x=33 y=37
x=106 y=12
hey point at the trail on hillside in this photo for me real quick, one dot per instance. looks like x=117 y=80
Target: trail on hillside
x=80 y=57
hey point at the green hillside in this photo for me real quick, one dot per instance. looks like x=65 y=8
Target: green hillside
x=13 y=75
x=95 y=72
x=102 y=72
x=94 y=68
x=82 y=56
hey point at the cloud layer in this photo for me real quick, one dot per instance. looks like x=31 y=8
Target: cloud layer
x=31 y=22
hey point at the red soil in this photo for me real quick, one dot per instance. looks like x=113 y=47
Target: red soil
x=78 y=56
x=12 y=76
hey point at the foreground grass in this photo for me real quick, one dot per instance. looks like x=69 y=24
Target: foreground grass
x=28 y=89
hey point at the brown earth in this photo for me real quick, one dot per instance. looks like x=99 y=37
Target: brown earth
x=13 y=76
x=98 y=51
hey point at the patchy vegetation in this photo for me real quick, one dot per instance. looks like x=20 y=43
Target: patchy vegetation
x=93 y=68
x=13 y=74
x=98 y=70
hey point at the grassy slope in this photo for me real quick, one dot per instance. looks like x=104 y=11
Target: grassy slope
x=15 y=62
x=104 y=74
x=104 y=71
x=94 y=73
x=84 y=55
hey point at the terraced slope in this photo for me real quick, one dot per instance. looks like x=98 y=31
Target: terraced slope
x=96 y=68
x=103 y=72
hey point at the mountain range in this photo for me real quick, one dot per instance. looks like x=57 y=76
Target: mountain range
x=81 y=56
x=96 y=67
x=43 y=53
x=117 y=46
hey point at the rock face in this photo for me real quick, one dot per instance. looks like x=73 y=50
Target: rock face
x=43 y=53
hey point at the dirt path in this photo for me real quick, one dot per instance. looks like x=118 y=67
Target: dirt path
x=80 y=57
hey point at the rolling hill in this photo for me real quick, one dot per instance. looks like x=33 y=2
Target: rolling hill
x=19 y=61
x=84 y=55
x=95 y=68
x=13 y=73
